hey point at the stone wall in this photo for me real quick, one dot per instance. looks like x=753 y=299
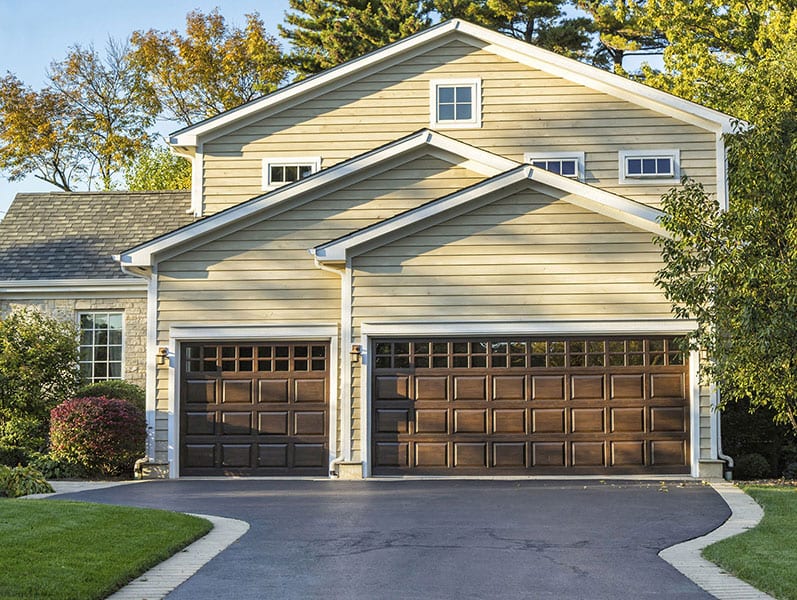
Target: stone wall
x=135 y=324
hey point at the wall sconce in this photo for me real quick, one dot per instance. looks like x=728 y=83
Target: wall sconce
x=163 y=354
x=355 y=353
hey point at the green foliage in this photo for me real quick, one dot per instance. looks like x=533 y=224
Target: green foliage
x=751 y=466
x=105 y=436
x=22 y=481
x=212 y=68
x=734 y=272
x=54 y=468
x=38 y=369
x=114 y=388
x=11 y=456
x=158 y=169
x=746 y=432
x=326 y=33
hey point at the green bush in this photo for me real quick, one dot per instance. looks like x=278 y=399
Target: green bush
x=28 y=433
x=53 y=468
x=11 y=456
x=751 y=466
x=105 y=436
x=790 y=472
x=114 y=388
x=21 y=481
x=744 y=432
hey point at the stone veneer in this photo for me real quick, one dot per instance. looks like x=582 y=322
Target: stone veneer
x=135 y=324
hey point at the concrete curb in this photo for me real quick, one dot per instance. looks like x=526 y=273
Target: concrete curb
x=161 y=579
x=745 y=514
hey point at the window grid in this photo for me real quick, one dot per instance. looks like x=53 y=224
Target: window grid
x=567 y=167
x=101 y=345
x=279 y=171
x=455 y=103
x=649 y=166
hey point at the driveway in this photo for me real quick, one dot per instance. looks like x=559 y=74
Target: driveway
x=438 y=539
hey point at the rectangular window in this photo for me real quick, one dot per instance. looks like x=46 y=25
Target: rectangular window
x=101 y=340
x=567 y=164
x=455 y=103
x=649 y=166
x=281 y=171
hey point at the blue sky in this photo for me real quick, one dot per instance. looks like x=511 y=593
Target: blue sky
x=33 y=33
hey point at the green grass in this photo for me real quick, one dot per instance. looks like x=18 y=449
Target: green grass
x=765 y=556
x=66 y=550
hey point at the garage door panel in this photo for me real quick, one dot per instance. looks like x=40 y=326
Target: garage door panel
x=556 y=405
x=272 y=414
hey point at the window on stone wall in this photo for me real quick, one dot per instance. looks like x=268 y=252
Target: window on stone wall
x=101 y=339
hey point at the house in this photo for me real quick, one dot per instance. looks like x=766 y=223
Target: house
x=437 y=259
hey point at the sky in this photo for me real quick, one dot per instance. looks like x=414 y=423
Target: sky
x=33 y=33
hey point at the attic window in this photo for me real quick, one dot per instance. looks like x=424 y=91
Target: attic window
x=649 y=166
x=567 y=164
x=455 y=103
x=281 y=171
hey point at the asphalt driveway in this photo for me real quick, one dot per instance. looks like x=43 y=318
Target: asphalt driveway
x=438 y=539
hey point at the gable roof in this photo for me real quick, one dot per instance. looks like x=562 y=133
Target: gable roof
x=271 y=203
x=583 y=195
x=504 y=45
x=72 y=236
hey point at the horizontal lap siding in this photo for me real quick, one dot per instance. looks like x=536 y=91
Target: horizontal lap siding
x=523 y=257
x=523 y=110
x=264 y=273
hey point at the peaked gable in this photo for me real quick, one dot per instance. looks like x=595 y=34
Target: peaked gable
x=500 y=44
x=582 y=195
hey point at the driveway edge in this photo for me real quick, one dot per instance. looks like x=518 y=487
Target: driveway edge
x=164 y=577
x=686 y=558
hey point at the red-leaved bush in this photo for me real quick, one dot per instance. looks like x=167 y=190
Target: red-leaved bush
x=104 y=435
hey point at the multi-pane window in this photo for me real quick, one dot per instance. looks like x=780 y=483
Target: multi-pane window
x=455 y=103
x=649 y=166
x=570 y=164
x=101 y=341
x=278 y=172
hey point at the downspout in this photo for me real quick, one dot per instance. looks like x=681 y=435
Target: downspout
x=339 y=458
x=720 y=454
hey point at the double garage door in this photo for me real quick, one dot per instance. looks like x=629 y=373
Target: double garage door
x=529 y=406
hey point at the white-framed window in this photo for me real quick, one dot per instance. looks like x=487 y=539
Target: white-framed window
x=101 y=345
x=455 y=103
x=650 y=166
x=283 y=170
x=567 y=164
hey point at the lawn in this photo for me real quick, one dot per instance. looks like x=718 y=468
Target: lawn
x=765 y=556
x=81 y=551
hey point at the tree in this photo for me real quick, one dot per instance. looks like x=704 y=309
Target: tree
x=38 y=135
x=158 y=169
x=734 y=272
x=326 y=33
x=110 y=106
x=623 y=30
x=213 y=68
x=38 y=369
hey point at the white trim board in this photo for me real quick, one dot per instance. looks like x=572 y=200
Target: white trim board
x=313 y=186
x=492 y=41
x=585 y=196
x=43 y=286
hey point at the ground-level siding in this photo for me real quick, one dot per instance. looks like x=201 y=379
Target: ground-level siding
x=134 y=310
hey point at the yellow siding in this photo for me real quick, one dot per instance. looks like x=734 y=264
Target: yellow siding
x=523 y=257
x=523 y=110
x=264 y=274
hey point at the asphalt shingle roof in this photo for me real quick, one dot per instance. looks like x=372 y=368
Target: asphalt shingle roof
x=73 y=235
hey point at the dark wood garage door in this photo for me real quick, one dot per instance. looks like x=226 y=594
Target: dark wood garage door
x=254 y=409
x=530 y=406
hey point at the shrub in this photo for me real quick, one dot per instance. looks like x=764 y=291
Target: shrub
x=105 y=436
x=11 y=456
x=790 y=472
x=54 y=468
x=114 y=388
x=751 y=466
x=21 y=481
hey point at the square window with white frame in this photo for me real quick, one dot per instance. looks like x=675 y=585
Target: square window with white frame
x=101 y=345
x=282 y=171
x=455 y=103
x=649 y=166
x=567 y=164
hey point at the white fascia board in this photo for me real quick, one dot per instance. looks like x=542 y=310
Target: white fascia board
x=338 y=250
x=145 y=254
x=190 y=135
x=477 y=160
x=498 y=43
x=72 y=285
x=577 y=193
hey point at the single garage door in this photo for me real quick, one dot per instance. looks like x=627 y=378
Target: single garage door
x=254 y=409
x=529 y=406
